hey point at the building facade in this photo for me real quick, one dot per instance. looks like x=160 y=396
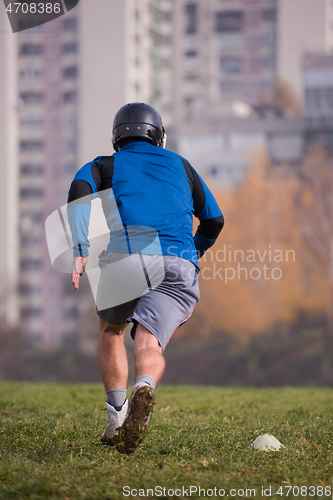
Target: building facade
x=9 y=307
x=304 y=26
x=63 y=86
x=196 y=61
x=223 y=51
x=318 y=92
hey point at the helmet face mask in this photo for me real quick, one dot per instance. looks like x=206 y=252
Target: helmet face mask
x=138 y=121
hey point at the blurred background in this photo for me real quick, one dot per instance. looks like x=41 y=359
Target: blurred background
x=245 y=90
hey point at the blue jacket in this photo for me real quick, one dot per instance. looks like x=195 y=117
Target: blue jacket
x=149 y=187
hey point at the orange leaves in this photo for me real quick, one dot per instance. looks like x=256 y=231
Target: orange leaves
x=260 y=271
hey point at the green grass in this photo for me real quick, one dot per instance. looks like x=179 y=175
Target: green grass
x=199 y=436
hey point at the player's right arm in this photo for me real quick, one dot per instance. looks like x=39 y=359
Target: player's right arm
x=86 y=182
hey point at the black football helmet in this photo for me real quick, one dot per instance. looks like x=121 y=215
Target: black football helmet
x=138 y=120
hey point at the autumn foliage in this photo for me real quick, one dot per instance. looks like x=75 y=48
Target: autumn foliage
x=262 y=271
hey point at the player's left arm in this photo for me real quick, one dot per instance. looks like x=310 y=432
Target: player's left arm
x=209 y=214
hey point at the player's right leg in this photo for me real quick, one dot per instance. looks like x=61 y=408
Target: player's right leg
x=149 y=367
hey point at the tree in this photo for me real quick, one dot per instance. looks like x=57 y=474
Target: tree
x=263 y=228
x=314 y=209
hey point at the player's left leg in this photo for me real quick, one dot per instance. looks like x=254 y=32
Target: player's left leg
x=149 y=367
x=113 y=365
x=148 y=355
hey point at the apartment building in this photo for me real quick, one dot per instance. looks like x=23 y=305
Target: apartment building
x=224 y=51
x=9 y=308
x=196 y=61
x=305 y=26
x=63 y=87
x=48 y=69
x=318 y=92
x=231 y=54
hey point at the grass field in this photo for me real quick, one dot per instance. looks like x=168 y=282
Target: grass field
x=198 y=436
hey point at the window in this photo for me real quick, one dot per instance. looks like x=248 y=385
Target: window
x=70 y=168
x=29 y=312
x=35 y=217
x=27 y=289
x=70 y=72
x=269 y=61
x=191 y=11
x=31 y=193
x=213 y=170
x=71 y=146
x=158 y=39
x=28 y=49
x=70 y=48
x=231 y=39
x=71 y=120
x=158 y=16
x=31 y=74
x=35 y=241
x=31 y=145
x=32 y=122
x=30 y=265
x=230 y=87
x=32 y=97
x=269 y=15
x=191 y=78
x=29 y=24
x=254 y=87
x=191 y=53
x=31 y=170
x=70 y=96
x=228 y=21
x=71 y=313
x=70 y=24
x=269 y=38
x=188 y=102
x=231 y=66
x=158 y=62
x=191 y=42
x=268 y=86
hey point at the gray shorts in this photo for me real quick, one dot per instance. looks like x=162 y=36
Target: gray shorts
x=160 y=292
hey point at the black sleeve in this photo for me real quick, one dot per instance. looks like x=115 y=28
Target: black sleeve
x=79 y=188
x=197 y=191
x=102 y=173
x=209 y=228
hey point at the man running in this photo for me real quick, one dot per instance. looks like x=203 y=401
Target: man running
x=149 y=269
